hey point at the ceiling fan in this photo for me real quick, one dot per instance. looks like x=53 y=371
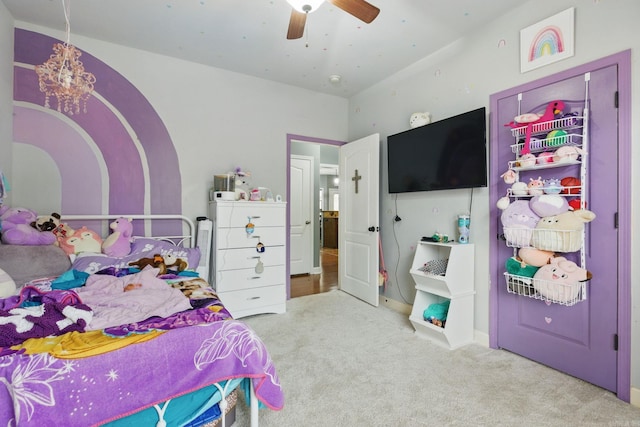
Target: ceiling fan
x=361 y=9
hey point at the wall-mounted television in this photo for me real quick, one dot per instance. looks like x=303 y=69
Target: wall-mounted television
x=443 y=155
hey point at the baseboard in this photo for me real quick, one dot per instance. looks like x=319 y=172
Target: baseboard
x=481 y=338
x=398 y=306
x=635 y=397
x=316 y=270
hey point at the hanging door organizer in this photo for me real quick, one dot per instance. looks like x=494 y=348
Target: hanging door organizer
x=560 y=144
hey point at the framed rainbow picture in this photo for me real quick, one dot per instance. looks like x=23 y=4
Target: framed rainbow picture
x=548 y=41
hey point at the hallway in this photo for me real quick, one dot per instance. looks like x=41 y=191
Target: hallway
x=309 y=284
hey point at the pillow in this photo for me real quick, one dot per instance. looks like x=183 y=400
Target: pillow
x=26 y=263
x=145 y=244
x=141 y=248
x=7 y=285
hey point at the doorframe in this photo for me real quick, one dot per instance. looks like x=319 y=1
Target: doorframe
x=293 y=137
x=623 y=61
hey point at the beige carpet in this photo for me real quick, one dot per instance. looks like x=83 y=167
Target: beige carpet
x=342 y=362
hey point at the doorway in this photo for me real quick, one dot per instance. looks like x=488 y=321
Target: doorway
x=324 y=271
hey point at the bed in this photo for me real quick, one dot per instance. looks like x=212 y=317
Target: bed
x=101 y=358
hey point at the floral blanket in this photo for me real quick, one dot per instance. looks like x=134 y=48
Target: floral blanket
x=40 y=389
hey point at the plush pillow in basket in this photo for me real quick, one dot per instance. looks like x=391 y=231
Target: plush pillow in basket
x=560 y=280
x=561 y=233
x=140 y=248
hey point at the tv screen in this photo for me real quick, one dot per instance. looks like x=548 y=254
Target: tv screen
x=443 y=155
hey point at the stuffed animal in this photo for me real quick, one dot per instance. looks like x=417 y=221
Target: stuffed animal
x=535 y=257
x=83 y=240
x=535 y=186
x=567 y=154
x=544 y=158
x=419 y=119
x=548 y=205
x=174 y=263
x=17 y=229
x=156 y=261
x=52 y=223
x=518 y=222
x=553 y=109
x=559 y=281
x=570 y=185
x=242 y=184
x=527 y=160
x=520 y=188
x=552 y=186
x=163 y=263
x=563 y=232
x=118 y=243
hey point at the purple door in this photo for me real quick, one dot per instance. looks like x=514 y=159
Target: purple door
x=579 y=339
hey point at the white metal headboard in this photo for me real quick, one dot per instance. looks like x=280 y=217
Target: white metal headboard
x=187 y=239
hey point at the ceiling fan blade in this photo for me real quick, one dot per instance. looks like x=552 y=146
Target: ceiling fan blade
x=361 y=9
x=296 y=24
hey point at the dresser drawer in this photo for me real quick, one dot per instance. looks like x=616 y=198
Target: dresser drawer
x=239 y=238
x=250 y=301
x=239 y=214
x=235 y=280
x=234 y=259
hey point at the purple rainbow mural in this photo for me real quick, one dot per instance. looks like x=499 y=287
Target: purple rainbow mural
x=123 y=147
x=548 y=41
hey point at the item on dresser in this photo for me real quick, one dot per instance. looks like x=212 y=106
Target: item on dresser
x=249 y=256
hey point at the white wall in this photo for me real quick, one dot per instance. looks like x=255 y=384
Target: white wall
x=219 y=120
x=459 y=78
x=6 y=90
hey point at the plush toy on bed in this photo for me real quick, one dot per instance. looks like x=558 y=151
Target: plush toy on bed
x=163 y=263
x=83 y=240
x=17 y=229
x=52 y=223
x=118 y=243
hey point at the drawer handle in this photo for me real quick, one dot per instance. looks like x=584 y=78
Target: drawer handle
x=253 y=278
x=253 y=298
x=253 y=257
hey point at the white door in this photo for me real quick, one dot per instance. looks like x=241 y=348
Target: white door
x=301 y=214
x=359 y=218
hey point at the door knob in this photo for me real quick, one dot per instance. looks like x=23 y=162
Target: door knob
x=307 y=222
x=372 y=228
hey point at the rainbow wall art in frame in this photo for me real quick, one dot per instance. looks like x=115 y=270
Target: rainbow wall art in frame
x=547 y=41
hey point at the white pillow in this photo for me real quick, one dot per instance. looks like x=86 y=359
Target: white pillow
x=7 y=285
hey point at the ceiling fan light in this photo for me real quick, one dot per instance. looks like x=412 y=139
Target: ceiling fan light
x=304 y=6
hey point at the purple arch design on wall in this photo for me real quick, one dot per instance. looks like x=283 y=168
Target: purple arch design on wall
x=121 y=156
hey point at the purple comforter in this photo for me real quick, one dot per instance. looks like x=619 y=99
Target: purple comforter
x=39 y=390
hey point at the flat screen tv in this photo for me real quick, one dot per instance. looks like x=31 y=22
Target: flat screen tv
x=443 y=155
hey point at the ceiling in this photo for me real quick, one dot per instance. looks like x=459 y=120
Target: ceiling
x=249 y=36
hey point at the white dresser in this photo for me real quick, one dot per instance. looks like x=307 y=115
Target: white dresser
x=248 y=256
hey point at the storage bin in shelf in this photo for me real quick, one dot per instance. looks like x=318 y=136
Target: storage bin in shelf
x=566 y=123
x=455 y=278
x=548 y=291
x=458 y=328
x=548 y=240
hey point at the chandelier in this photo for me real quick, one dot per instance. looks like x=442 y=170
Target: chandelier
x=63 y=76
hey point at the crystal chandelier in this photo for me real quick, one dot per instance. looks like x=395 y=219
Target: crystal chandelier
x=63 y=75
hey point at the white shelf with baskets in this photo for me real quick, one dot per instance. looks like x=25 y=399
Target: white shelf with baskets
x=444 y=272
x=546 y=137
